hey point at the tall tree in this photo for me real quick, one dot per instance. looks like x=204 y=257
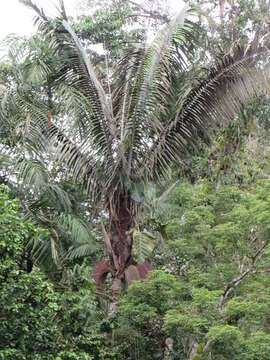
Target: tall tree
x=150 y=114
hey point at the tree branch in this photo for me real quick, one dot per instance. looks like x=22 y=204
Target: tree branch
x=152 y=14
x=237 y=280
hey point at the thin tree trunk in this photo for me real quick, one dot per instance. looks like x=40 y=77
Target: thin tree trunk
x=193 y=347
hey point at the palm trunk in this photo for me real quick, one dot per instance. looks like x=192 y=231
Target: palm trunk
x=118 y=243
x=121 y=243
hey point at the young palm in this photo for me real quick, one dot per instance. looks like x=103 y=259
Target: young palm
x=116 y=135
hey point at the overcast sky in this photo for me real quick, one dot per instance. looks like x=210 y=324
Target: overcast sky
x=16 y=18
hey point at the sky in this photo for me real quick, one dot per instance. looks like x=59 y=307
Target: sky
x=16 y=18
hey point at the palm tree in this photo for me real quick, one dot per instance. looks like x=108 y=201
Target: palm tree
x=132 y=127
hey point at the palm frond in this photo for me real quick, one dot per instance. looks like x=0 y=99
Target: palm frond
x=70 y=238
x=59 y=197
x=79 y=94
x=143 y=245
x=83 y=163
x=33 y=6
x=96 y=85
x=62 y=9
x=152 y=84
x=77 y=229
x=46 y=253
x=216 y=99
x=33 y=172
x=80 y=251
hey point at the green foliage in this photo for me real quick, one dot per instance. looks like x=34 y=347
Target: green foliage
x=37 y=321
x=140 y=315
x=15 y=234
x=258 y=346
x=214 y=236
x=29 y=305
x=28 y=302
x=226 y=342
x=220 y=240
x=109 y=26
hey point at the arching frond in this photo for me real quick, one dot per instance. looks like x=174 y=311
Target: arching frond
x=59 y=197
x=141 y=95
x=96 y=87
x=46 y=252
x=33 y=172
x=77 y=229
x=215 y=98
x=33 y=6
x=76 y=97
x=80 y=251
x=70 y=237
